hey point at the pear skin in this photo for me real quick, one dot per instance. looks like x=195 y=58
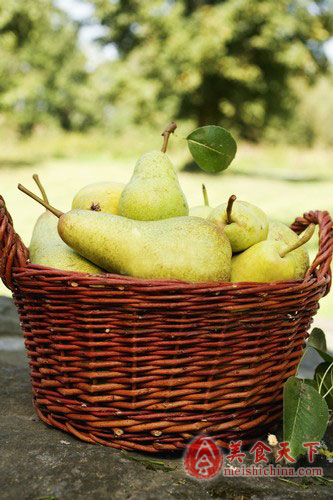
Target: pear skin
x=100 y=196
x=278 y=231
x=247 y=226
x=202 y=211
x=48 y=249
x=153 y=193
x=183 y=248
x=262 y=263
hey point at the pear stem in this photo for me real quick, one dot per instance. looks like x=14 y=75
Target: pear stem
x=40 y=187
x=231 y=201
x=166 y=134
x=56 y=212
x=304 y=239
x=205 y=195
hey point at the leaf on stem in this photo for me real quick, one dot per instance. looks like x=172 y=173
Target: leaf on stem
x=305 y=415
x=323 y=379
x=213 y=148
x=317 y=339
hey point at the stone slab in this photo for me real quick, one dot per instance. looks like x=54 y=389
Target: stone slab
x=9 y=321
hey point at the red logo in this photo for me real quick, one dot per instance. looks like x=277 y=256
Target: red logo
x=235 y=452
x=312 y=449
x=260 y=449
x=284 y=452
x=203 y=458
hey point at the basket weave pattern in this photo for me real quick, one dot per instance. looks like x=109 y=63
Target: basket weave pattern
x=147 y=365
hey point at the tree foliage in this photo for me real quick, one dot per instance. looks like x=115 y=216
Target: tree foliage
x=236 y=63
x=42 y=71
x=229 y=62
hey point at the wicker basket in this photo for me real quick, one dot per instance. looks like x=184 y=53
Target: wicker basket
x=146 y=365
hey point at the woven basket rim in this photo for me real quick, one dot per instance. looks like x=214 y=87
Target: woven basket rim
x=119 y=279
x=15 y=260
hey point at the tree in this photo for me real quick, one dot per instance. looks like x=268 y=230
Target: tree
x=227 y=62
x=42 y=71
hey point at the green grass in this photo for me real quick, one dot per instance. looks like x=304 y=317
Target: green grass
x=283 y=181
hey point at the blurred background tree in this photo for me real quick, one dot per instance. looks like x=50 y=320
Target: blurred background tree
x=42 y=70
x=251 y=66
x=229 y=62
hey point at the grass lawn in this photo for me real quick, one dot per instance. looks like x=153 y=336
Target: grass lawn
x=283 y=181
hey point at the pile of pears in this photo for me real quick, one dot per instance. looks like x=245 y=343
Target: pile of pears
x=145 y=229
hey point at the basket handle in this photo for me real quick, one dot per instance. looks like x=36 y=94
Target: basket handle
x=323 y=258
x=13 y=252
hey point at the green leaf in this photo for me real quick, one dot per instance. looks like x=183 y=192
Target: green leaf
x=327 y=357
x=317 y=339
x=311 y=382
x=323 y=378
x=305 y=415
x=213 y=148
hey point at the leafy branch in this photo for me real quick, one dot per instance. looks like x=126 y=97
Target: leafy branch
x=213 y=148
x=306 y=402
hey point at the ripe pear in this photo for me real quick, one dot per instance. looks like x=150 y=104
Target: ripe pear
x=280 y=232
x=243 y=223
x=268 y=260
x=100 y=196
x=202 y=211
x=48 y=249
x=184 y=248
x=153 y=193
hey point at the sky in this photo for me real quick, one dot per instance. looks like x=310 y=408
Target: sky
x=83 y=11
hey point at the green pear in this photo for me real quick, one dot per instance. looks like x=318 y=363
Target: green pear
x=153 y=193
x=280 y=232
x=268 y=260
x=202 y=211
x=100 y=196
x=243 y=223
x=184 y=248
x=48 y=249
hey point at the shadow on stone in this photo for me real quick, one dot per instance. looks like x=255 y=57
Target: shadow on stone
x=9 y=320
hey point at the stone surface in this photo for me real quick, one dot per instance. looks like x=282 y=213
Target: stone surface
x=39 y=462
x=9 y=321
